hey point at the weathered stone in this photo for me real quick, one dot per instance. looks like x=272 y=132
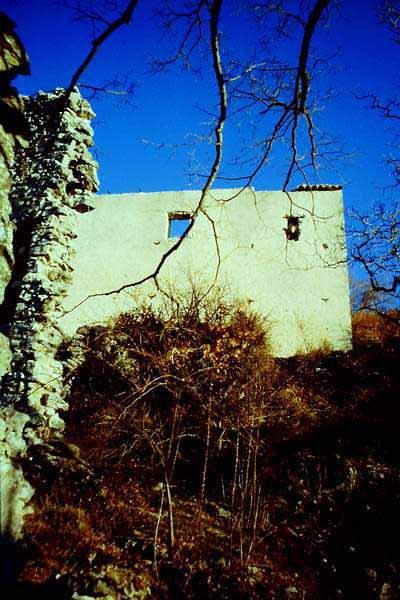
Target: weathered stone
x=13 y=61
x=49 y=181
x=5 y=354
x=388 y=592
x=15 y=491
x=13 y=58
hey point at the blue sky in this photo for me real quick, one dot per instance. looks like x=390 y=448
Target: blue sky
x=158 y=144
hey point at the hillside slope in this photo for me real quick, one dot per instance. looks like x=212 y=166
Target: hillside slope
x=195 y=465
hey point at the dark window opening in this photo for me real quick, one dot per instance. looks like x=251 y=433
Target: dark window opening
x=293 y=228
x=178 y=224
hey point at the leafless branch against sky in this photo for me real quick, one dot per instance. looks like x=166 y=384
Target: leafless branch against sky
x=214 y=9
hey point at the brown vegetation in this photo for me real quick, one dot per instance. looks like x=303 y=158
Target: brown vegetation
x=203 y=467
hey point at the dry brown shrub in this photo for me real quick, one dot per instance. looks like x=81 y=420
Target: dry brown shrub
x=63 y=535
x=372 y=328
x=217 y=469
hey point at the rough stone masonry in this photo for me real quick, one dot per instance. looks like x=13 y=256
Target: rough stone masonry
x=47 y=175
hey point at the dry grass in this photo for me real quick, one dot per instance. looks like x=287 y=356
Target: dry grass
x=220 y=472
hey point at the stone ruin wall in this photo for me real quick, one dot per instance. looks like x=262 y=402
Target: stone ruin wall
x=47 y=176
x=13 y=135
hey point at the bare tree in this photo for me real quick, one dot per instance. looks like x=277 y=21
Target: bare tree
x=281 y=91
x=375 y=234
x=376 y=247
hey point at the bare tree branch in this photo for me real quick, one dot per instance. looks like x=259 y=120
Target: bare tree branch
x=375 y=240
x=303 y=77
x=389 y=109
x=390 y=16
x=124 y=19
x=285 y=98
x=194 y=28
x=214 y=10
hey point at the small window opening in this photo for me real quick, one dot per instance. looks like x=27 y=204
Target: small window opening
x=293 y=228
x=178 y=224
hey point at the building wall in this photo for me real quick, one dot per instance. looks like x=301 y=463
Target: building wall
x=301 y=287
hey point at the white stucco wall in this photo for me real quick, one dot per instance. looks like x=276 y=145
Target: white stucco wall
x=290 y=282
